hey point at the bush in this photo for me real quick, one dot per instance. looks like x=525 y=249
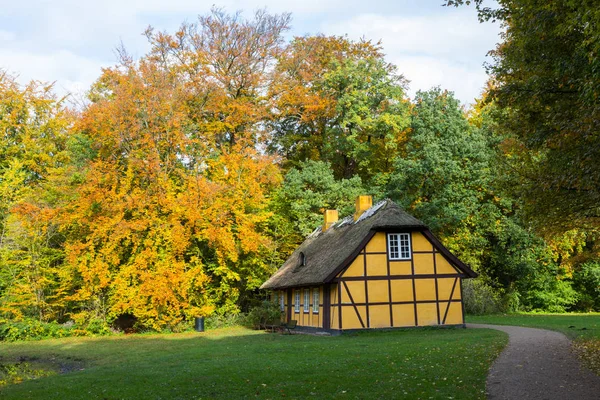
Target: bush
x=557 y=296
x=217 y=321
x=267 y=313
x=480 y=298
x=586 y=280
x=31 y=329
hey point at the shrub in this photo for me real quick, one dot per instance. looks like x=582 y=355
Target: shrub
x=586 y=280
x=267 y=313
x=556 y=296
x=217 y=321
x=31 y=329
x=480 y=298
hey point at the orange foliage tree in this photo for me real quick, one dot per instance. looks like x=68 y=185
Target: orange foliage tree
x=168 y=221
x=33 y=148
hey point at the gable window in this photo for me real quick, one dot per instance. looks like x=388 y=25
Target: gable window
x=306 y=300
x=281 y=301
x=399 y=246
x=296 y=301
x=315 y=300
x=302 y=259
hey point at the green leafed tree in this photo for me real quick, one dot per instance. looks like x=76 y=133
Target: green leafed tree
x=546 y=77
x=449 y=178
x=298 y=205
x=340 y=102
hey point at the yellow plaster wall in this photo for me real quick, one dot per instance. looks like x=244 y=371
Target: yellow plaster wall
x=309 y=318
x=402 y=290
x=425 y=289
x=376 y=265
x=333 y=323
x=420 y=242
x=377 y=243
x=457 y=291
x=403 y=314
x=445 y=288
x=379 y=316
x=333 y=295
x=350 y=318
x=357 y=268
x=400 y=268
x=423 y=263
x=427 y=314
x=378 y=291
x=454 y=315
x=357 y=290
x=315 y=320
x=443 y=266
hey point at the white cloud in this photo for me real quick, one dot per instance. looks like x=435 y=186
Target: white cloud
x=425 y=72
x=68 y=41
x=6 y=36
x=72 y=73
x=446 y=49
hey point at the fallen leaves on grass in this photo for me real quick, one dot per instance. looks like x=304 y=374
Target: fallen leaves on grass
x=588 y=351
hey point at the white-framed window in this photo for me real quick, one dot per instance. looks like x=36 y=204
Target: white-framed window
x=306 y=300
x=296 y=301
x=315 y=300
x=399 y=246
x=281 y=301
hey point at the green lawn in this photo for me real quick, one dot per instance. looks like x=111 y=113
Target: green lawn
x=571 y=325
x=240 y=363
x=583 y=328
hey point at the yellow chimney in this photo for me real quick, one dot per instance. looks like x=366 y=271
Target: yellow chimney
x=363 y=203
x=330 y=217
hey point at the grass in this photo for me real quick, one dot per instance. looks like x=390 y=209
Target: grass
x=584 y=329
x=240 y=363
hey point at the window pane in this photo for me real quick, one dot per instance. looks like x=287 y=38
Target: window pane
x=399 y=246
x=306 y=300
x=316 y=300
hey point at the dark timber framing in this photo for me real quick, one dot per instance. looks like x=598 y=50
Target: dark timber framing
x=450 y=301
x=364 y=255
x=389 y=275
x=437 y=295
x=414 y=281
x=352 y=256
x=369 y=268
x=354 y=304
x=442 y=305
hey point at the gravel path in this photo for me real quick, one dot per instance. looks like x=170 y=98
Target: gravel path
x=538 y=364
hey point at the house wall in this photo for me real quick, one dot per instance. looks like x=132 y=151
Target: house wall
x=376 y=292
x=310 y=318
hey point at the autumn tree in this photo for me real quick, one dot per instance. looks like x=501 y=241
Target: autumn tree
x=168 y=221
x=225 y=63
x=340 y=102
x=34 y=140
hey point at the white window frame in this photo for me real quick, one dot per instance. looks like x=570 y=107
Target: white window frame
x=316 y=300
x=296 y=301
x=306 y=300
x=399 y=246
x=281 y=301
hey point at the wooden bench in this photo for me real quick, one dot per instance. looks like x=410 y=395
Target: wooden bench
x=289 y=326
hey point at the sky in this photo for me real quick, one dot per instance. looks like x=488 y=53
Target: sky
x=69 y=41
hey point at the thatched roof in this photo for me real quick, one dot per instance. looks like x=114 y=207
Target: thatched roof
x=327 y=252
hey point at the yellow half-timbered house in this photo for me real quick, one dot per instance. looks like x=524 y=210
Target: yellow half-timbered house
x=378 y=268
